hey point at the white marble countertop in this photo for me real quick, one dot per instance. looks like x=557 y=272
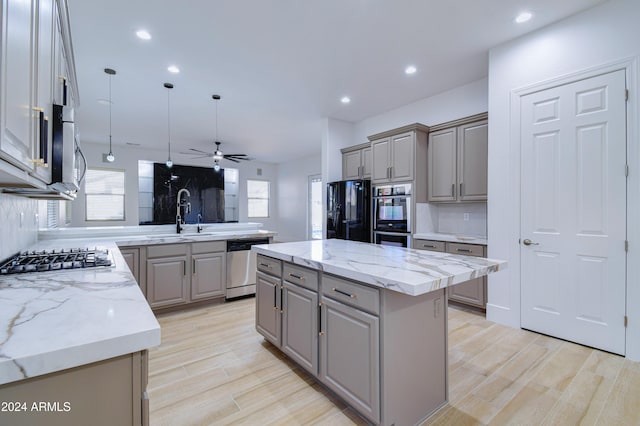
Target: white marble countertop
x=408 y=271
x=51 y=321
x=453 y=238
x=151 y=239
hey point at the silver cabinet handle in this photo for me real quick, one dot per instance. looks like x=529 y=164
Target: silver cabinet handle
x=265 y=265
x=528 y=242
x=464 y=250
x=453 y=189
x=428 y=245
x=298 y=277
x=461 y=189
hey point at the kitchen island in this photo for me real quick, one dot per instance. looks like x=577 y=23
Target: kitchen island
x=367 y=321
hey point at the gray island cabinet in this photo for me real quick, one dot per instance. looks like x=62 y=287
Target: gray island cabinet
x=367 y=321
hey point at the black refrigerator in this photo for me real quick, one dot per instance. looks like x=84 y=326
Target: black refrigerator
x=349 y=210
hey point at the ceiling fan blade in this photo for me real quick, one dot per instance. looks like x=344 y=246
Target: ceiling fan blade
x=197 y=150
x=232 y=159
x=201 y=156
x=235 y=155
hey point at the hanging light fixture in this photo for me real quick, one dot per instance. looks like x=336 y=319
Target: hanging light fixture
x=169 y=86
x=110 y=157
x=217 y=156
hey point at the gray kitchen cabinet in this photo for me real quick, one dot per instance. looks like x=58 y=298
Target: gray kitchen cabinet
x=393 y=158
x=132 y=257
x=182 y=273
x=208 y=275
x=457 y=160
x=167 y=283
x=122 y=381
x=300 y=325
x=399 y=155
x=472 y=292
x=356 y=162
x=268 y=302
x=350 y=351
x=167 y=275
x=208 y=269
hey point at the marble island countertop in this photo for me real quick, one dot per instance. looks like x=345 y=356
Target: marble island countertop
x=51 y=321
x=408 y=271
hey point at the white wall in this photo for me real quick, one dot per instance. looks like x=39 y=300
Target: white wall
x=456 y=103
x=18 y=227
x=336 y=134
x=293 y=197
x=599 y=36
x=127 y=159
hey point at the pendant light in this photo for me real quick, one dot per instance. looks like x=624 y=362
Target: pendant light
x=217 y=156
x=110 y=157
x=169 y=86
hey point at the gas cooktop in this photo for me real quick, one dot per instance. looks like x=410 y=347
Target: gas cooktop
x=56 y=260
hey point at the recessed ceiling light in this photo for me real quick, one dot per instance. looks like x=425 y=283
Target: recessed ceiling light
x=173 y=69
x=523 y=17
x=345 y=100
x=410 y=70
x=143 y=34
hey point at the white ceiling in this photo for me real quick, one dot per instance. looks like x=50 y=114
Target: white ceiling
x=280 y=65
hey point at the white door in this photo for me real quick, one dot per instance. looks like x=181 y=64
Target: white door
x=573 y=211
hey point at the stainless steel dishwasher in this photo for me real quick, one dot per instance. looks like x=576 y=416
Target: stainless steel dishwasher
x=241 y=267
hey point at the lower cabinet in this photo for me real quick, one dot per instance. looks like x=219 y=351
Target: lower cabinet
x=132 y=257
x=472 y=292
x=382 y=352
x=268 y=315
x=109 y=392
x=167 y=281
x=350 y=349
x=208 y=275
x=181 y=273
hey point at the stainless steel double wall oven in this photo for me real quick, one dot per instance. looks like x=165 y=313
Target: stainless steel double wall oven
x=392 y=214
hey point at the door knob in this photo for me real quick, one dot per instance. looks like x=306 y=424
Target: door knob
x=528 y=242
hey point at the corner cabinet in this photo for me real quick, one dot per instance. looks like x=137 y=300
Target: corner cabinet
x=397 y=155
x=457 y=160
x=356 y=162
x=472 y=292
x=371 y=347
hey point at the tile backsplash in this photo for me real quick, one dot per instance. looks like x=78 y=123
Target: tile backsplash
x=18 y=224
x=455 y=218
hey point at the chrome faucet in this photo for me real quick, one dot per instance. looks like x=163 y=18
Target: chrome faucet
x=180 y=203
x=199 y=228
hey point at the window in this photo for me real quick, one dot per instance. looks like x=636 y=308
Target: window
x=258 y=198
x=104 y=194
x=315 y=207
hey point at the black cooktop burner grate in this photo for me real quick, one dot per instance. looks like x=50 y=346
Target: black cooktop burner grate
x=55 y=260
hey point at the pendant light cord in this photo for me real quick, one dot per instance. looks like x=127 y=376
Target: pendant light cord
x=110 y=103
x=169 y=120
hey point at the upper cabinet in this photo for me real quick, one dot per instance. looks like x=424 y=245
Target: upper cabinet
x=35 y=48
x=398 y=155
x=356 y=162
x=457 y=165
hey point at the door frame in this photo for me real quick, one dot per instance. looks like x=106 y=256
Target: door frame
x=630 y=66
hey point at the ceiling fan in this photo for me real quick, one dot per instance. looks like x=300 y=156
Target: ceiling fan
x=217 y=155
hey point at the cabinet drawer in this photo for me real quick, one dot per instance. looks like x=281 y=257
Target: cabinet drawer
x=351 y=293
x=300 y=275
x=269 y=265
x=208 y=247
x=164 y=250
x=466 y=249
x=429 y=245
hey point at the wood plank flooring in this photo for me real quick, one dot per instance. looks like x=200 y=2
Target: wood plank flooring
x=214 y=368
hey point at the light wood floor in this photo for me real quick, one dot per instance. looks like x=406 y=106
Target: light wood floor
x=214 y=368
